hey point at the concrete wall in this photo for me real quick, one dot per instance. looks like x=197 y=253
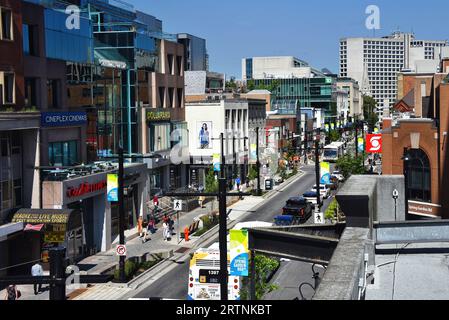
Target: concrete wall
x=385 y=203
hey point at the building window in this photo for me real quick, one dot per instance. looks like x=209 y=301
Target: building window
x=171 y=96
x=30 y=92
x=63 y=153
x=8 y=88
x=159 y=137
x=180 y=97
x=419 y=181
x=6 y=24
x=29 y=40
x=171 y=68
x=52 y=94
x=162 y=96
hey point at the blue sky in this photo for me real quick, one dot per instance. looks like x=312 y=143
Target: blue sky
x=309 y=30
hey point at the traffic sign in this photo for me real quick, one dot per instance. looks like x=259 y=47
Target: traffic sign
x=121 y=250
x=177 y=205
x=319 y=218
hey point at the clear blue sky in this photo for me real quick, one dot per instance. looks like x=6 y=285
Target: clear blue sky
x=309 y=30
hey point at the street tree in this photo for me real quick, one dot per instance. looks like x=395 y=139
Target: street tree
x=349 y=165
x=369 y=111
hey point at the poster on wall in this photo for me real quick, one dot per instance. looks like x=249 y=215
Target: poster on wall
x=112 y=188
x=204 y=130
x=239 y=253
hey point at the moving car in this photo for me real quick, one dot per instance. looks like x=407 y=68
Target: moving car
x=325 y=192
x=298 y=207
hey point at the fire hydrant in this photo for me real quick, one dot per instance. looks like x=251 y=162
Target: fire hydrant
x=186 y=234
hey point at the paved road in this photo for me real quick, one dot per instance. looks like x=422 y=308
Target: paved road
x=173 y=285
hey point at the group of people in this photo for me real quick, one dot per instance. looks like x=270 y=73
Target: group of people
x=167 y=227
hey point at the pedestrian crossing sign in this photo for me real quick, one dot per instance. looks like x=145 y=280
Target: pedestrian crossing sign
x=177 y=205
x=319 y=218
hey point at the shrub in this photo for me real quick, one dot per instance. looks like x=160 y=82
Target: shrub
x=130 y=269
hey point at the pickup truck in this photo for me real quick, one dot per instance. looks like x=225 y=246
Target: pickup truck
x=298 y=207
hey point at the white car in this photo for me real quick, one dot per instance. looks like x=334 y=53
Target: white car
x=339 y=176
x=325 y=192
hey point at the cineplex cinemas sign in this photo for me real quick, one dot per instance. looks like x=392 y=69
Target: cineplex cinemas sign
x=63 y=119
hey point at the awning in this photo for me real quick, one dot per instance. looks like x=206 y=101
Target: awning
x=42 y=216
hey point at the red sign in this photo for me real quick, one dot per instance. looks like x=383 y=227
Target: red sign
x=373 y=143
x=121 y=250
x=86 y=188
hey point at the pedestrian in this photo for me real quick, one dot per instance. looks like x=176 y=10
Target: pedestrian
x=201 y=201
x=165 y=230
x=12 y=293
x=37 y=271
x=241 y=191
x=140 y=226
x=152 y=226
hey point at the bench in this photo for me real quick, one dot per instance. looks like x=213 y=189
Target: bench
x=192 y=229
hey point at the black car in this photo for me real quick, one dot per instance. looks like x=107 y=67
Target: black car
x=298 y=207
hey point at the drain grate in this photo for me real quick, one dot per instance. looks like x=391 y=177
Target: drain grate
x=182 y=250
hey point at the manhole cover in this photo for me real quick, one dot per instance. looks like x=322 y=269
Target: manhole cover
x=182 y=250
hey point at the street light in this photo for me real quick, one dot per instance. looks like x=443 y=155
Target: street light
x=406 y=161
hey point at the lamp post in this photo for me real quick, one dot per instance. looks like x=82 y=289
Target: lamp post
x=317 y=168
x=406 y=161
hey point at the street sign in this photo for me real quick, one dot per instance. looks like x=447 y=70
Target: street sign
x=177 y=205
x=395 y=194
x=319 y=218
x=374 y=143
x=121 y=250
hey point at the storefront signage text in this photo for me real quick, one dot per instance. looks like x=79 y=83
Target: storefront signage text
x=63 y=119
x=153 y=116
x=41 y=218
x=86 y=188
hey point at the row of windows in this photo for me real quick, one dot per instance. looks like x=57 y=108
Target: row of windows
x=7 y=88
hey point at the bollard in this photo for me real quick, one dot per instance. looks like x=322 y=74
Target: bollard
x=186 y=234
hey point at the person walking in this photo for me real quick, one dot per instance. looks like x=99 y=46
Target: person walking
x=166 y=230
x=37 y=271
x=241 y=191
x=12 y=293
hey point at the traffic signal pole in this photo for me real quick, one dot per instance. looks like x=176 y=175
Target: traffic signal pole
x=222 y=233
x=121 y=203
x=317 y=168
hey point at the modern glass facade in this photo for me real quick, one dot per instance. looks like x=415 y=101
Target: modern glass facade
x=300 y=92
x=64 y=44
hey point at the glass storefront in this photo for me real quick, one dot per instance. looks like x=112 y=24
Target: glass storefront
x=63 y=153
x=131 y=213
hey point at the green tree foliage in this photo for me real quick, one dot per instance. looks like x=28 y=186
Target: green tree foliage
x=265 y=266
x=231 y=84
x=349 y=165
x=334 y=136
x=272 y=87
x=252 y=174
x=369 y=111
x=211 y=182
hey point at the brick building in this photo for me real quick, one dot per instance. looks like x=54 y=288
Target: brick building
x=422 y=136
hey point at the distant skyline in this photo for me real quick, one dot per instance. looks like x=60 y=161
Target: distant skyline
x=309 y=30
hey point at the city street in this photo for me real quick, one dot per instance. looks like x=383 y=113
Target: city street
x=174 y=284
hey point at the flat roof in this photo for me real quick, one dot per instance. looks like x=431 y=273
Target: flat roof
x=418 y=272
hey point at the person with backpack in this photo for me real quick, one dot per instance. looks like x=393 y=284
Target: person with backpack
x=12 y=293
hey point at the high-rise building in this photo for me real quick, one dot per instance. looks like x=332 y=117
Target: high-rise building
x=195 y=52
x=375 y=62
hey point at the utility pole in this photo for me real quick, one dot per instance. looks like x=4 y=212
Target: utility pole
x=259 y=191
x=317 y=167
x=222 y=233
x=356 y=140
x=121 y=203
x=234 y=155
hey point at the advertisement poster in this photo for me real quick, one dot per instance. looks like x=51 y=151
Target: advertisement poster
x=239 y=266
x=205 y=135
x=216 y=162
x=361 y=145
x=112 y=187
x=325 y=173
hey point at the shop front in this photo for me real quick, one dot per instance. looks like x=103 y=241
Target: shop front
x=88 y=196
x=48 y=228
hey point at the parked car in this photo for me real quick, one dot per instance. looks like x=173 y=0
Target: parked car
x=325 y=192
x=310 y=196
x=333 y=185
x=298 y=207
x=278 y=180
x=339 y=176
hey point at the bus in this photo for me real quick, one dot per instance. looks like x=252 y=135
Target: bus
x=334 y=151
x=204 y=271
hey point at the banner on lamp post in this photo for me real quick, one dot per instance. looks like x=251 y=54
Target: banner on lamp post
x=112 y=187
x=216 y=162
x=361 y=145
x=239 y=253
x=325 y=173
